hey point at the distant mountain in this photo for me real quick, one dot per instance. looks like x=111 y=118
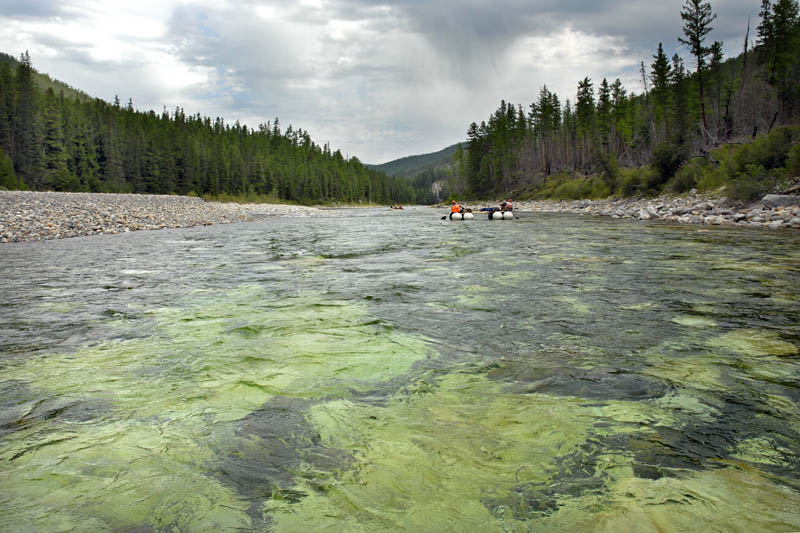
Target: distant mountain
x=414 y=164
x=44 y=82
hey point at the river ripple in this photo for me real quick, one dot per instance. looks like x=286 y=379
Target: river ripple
x=382 y=370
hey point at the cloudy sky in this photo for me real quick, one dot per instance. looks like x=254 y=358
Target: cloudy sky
x=378 y=80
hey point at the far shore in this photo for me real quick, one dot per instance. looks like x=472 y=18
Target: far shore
x=773 y=211
x=32 y=216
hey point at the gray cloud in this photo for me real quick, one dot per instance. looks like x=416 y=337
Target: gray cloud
x=377 y=79
x=31 y=8
x=477 y=30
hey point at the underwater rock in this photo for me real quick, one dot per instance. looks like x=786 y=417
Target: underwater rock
x=595 y=384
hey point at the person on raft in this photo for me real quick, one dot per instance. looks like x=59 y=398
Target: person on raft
x=455 y=208
x=506 y=206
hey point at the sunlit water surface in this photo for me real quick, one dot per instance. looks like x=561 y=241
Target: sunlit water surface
x=376 y=370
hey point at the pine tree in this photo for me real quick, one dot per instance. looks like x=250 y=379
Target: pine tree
x=680 y=102
x=8 y=178
x=779 y=36
x=24 y=151
x=7 y=108
x=715 y=67
x=697 y=18
x=659 y=76
x=584 y=120
x=604 y=115
x=54 y=158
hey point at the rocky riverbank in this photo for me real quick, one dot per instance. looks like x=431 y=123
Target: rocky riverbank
x=32 y=216
x=773 y=211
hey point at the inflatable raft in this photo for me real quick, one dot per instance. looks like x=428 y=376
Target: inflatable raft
x=493 y=215
x=501 y=215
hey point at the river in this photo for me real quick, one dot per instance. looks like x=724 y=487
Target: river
x=378 y=370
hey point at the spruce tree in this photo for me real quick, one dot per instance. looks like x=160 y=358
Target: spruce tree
x=779 y=34
x=8 y=178
x=25 y=153
x=54 y=153
x=659 y=76
x=697 y=18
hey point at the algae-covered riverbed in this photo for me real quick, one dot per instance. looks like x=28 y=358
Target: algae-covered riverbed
x=376 y=371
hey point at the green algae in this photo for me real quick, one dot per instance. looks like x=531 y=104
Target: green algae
x=736 y=498
x=291 y=409
x=694 y=321
x=753 y=342
x=514 y=278
x=468 y=455
x=574 y=305
x=699 y=372
x=697 y=406
x=425 y=462
x=145 y=459
x=643 y=306
x=476 y=297
x=762 y=451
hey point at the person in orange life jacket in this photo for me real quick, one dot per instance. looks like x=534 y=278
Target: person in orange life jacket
x=455 y=208
x=506 y=206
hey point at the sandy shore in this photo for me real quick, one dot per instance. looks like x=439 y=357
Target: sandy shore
x=32 y=216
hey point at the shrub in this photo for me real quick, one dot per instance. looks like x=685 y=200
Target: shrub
x=609 y=167
x=667 y=159
x=580 y=188
x=793 y=162
x=751 y=185
x=713 y=180
x=631 y=182
x=770 y=151
x=689 y=175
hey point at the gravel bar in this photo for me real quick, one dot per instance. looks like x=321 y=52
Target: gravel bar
x=774 y=211
x=33 y=216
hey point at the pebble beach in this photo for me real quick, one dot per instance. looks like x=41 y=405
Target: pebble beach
x=774 y=211
x=34 y=216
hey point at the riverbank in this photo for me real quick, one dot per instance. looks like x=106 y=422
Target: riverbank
x=773 y=211
x=34 y=216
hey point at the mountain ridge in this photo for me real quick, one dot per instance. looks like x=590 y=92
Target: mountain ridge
x=410 y=165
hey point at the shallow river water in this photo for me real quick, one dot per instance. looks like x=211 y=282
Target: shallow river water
x=375 y=370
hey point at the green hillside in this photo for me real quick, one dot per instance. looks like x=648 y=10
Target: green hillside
x=53 y=137
x=414 y=164
x=45 y=82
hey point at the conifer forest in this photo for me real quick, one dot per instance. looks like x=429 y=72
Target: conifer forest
x=690 y=115
x=684 y=126
x=60 y=139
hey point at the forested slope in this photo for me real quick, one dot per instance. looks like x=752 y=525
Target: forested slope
x=65 y=141
x=692 y=125
x=410 y=165
x=429 y=174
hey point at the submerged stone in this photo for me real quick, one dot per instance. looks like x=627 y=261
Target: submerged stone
x=598 y=383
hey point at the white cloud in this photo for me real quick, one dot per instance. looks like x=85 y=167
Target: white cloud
x=379 y=81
